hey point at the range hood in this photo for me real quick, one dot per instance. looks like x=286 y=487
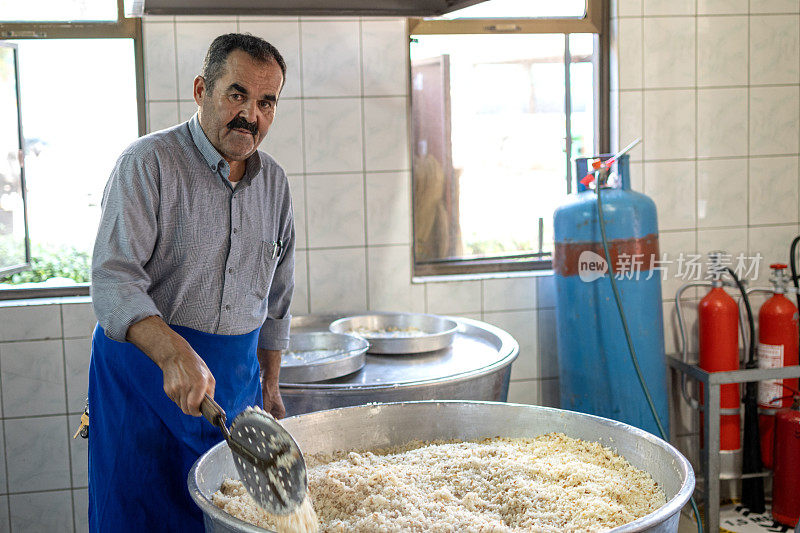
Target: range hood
x=393 y=8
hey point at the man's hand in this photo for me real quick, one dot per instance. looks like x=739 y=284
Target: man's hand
x=186 y=377
x=270 y=362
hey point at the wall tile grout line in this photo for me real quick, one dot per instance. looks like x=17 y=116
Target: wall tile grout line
x=48 y=415
x=66 y=418
x=705 y=87
x=719 y=158
x=349 y=172
x=644 y=107
x=177 y=70
x=5 y=444
x=696 y=127
x=304 y=152
x=747 y=132
x=43 y=491
x=364 y=159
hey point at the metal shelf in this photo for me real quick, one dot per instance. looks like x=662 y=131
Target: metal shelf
x=711 y=398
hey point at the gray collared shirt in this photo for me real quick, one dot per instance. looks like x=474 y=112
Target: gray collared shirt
x=178 y=240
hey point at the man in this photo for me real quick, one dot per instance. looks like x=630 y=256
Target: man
x=192 y=277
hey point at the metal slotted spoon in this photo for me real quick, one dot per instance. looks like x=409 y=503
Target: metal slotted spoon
x=270 y=464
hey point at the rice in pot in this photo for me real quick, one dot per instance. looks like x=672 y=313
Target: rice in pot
x=548 y=483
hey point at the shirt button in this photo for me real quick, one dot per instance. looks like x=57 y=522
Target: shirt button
x=235 y=230
x=227 y=307
x=230 y=271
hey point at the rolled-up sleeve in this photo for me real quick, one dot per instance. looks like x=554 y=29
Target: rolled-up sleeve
x=275 y=330
x=125 y=241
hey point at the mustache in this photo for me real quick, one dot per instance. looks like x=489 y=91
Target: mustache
x=240 y=123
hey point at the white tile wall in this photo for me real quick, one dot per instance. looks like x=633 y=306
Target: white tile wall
x=42 y=511
x=720 y=202
x=721 y=133
x=668 y=7
x=389 y=289
x=773 y=120
x=33 y=378
x=285 y=139
x=721 y=148
x=670 y=124
x=721 y=45
x=334 y=135
x=38 y=453
x=774 y=49
x=671 y=184
x=334 y=66
x=337 y=280
x=388 y=199
x=335 y=206
x=669 y=48
x=721 y=7
x=44 y=361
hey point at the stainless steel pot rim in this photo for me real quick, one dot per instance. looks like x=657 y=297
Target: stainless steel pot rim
x=509 y=346
x=209 y=509
x=453 y=324
x=673 y=506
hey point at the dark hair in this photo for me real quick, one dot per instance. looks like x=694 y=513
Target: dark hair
x=222 y=46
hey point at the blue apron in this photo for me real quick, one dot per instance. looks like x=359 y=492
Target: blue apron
x=141 y=445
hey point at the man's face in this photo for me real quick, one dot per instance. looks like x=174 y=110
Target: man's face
x=237 y=113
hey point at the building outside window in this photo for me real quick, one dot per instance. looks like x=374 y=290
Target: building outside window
x=501 y=107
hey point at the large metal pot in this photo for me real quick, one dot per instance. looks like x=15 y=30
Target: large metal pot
x=476 y=366
x=382 y=425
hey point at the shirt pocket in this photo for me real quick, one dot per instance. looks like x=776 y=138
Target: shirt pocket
x=265 y=272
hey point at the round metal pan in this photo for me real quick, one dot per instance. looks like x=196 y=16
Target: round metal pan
x=321 y=355
x=434 y=332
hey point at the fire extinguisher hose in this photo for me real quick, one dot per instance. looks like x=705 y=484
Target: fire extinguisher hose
x=793 y=266
x=752 y=487
x=628 y=339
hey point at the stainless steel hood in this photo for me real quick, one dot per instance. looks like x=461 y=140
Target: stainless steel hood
x=394 y=8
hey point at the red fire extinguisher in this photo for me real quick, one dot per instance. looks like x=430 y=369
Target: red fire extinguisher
x=785 y=493
x=719 y=351
x=777 y=347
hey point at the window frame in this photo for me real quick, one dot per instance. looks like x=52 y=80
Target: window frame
x=122 y=28
x=596 y=20
x=26 y=264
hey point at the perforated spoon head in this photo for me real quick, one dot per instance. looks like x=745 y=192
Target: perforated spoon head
x=270 y=464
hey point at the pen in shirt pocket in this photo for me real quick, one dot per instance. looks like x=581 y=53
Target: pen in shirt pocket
x=277 y=247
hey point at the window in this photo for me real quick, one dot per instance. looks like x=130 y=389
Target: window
x=500 y=108
x=80 y=105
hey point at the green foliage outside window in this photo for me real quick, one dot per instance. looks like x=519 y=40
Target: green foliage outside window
x=52 y=262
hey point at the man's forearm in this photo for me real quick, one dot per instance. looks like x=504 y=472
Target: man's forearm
x=270 y=362
x=156 y=339
x=187 y=379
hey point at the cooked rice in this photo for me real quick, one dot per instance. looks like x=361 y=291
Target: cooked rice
x=233 y=498
x=548 y=483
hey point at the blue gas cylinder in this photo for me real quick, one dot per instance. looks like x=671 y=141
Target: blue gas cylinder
x=596 y=374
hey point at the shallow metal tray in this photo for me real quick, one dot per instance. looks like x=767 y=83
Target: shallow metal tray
x=436 y=331
x=321 y=355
